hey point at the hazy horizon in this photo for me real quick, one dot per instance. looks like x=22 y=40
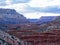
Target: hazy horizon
x=33 y=9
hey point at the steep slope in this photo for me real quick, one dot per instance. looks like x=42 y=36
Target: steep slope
x=10 y=16
x=7 y=39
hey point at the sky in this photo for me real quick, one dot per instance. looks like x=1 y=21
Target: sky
x=33 y=9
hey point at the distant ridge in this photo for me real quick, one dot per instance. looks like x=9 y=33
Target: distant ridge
x=32 y=20
x=10 y=16
x=46 y=19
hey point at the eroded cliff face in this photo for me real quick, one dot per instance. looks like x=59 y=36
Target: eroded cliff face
x=53 y=25
x=57 y=19
x=7 y=39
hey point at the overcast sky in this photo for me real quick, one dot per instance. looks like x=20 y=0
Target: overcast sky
x=33 y=8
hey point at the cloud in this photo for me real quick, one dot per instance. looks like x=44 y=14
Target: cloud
x=44 y=3
x=8 y=2
x=5 y=2
x=16 y=1
x=51 y=9
x=2 y=3
x=24 y=6
x=20 y=1
x=21 y=7
x=18 y=5
x=33 y=8
x=54 y=9
x=36 y=12
x=36 y=15
x=32 y=15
